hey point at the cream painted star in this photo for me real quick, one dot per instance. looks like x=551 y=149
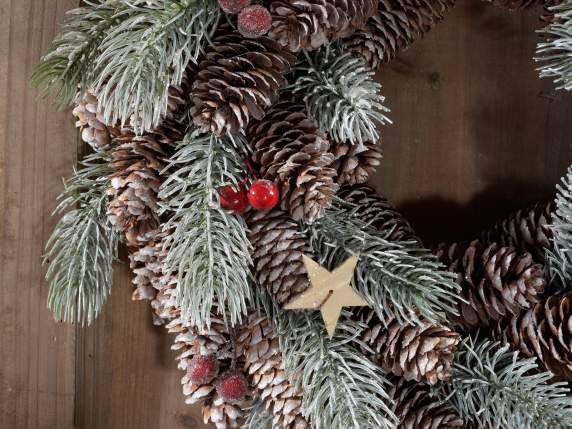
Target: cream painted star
x=329 y=291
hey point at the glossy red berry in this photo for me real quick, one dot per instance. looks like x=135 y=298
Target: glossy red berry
x=234 y=200
x=254 y=21
x=263 y=195
x=233 y=6
x=232 y=386
x=202 y=369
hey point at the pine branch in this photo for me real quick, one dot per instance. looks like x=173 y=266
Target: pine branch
x=209 y=250
x=342 y=96
x=147 y=52
x=128 y=53
x=83 y=246
x=398 y=279
x=66 y=69
x=559 y=257
x=494 y=388
x=556 y=51
x=258 y=417
x=342 y=388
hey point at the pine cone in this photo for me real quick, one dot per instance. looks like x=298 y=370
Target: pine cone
x=222 y=414
x=310 y=24
x=278 y=248
x=292 y=152
x=497 y=282
x=94 y=132
x=526 y=230
x=238 y=80
x=544 y=332
x=417 y=409
x=410 y=351
x=396 y=25
x=260 y=349
x=355 y=164
x=377 y=211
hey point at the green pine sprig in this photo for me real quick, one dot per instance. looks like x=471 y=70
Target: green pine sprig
x=342 y=96
x=342 y=388
x=83 y=246
x=209 y=250
x=492 y=387
x=128 y=53
x=399 y=279
x=555 y=51
x=559 y=256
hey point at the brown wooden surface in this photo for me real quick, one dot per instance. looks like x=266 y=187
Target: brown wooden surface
x=476 y=134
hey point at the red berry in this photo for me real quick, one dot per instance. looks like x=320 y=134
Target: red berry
x=263 y=195
x=233 y=6
x=232 y=386
x=234 y=200
x=202 y=369
x=254 y=21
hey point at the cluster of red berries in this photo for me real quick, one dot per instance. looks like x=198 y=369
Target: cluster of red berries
x=263 y=195
x=253 y=21
x=232 y=385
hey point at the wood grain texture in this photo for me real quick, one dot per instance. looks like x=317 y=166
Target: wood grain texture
x=37 y=147
x=476 y=135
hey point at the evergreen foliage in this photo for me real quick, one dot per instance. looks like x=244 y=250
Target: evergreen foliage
x=555 y=51
x=493 y=388
x=83 y=245
x=208 y=246
x=398 y=279
x=342 y=96
x=128 y=53
x=342 y=388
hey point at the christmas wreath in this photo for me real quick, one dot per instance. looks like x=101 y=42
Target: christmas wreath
x=231 y=146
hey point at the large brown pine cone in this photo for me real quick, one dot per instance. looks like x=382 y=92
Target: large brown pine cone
x=278 y=246
x=497 y=282
x=410 y=351
x=417 y=409
x=238 y=80
x=310 y=24
x=260 y=349
x=544 y=332
x=377 y=211
x=396 y=25
x=292 y=152
x=355 y=164
x=526 y=230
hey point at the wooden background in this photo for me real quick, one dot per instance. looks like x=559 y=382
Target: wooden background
x=475 y=134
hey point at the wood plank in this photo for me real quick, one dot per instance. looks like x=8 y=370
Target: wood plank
x=37 y=147
x=477 y=133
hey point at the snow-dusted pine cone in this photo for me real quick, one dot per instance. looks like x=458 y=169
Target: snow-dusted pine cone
x=259 y=347
x=355 y=164
x=417 y=409
x=544 y=332
x=278 y=247
x=292 y=152
x=93 y=129
x=497 y=282
x=396 y=25
x=423 y=354
x=237 y=81
x=310 y=24
x=526 y=230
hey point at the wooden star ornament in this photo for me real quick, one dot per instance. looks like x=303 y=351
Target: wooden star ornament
x=329 y=291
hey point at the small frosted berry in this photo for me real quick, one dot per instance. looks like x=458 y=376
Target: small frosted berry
x=234 y=200
x=202 y=369
x=254 y=21
x=232 y=386
x=263 y=195
x=233 y=6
